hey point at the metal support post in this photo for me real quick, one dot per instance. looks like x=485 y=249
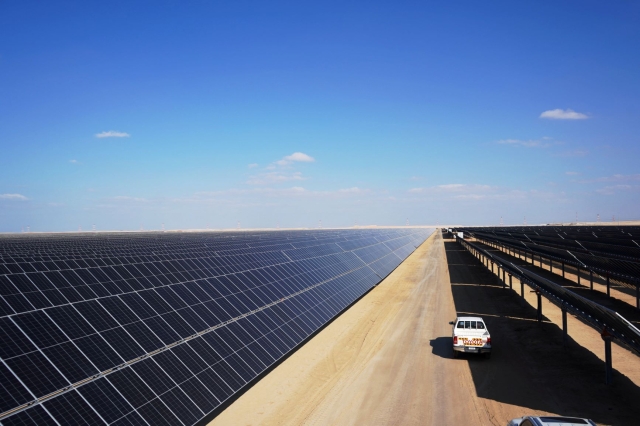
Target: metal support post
x=539 y=316
x=550 y=265
x=562 y=269
x=608 y=286
x=521 y=288
x=510 y=282
x=608 y=376
x=578 y=274
x=492 y=266
x=637 y=296
x=591 y=280
x=565 y=337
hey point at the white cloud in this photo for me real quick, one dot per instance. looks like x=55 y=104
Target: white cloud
x=274 y=177
x=610 y=190
x=19 y=197
x=74 y=161
x=264 y=195
x=566 y=114
x=299 y=156
x=571 y=173
x=451 y=187
x=353 y=190
x=460 y=191
x=573 y=153
x=295 y=157
x=527 y=144
x=280 y=171
x=112 y=134
x=127 y=198
x=613 y=178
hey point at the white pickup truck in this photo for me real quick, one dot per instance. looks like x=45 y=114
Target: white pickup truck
x=470 y=335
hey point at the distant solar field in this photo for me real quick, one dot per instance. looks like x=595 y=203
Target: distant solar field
x=163 y=328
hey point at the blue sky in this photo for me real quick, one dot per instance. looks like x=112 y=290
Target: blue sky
x=204 y=114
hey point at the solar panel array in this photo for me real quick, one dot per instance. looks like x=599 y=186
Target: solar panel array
x=612 y=250
x=163 y=328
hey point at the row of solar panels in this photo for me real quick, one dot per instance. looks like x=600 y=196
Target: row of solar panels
x=591 y=312
x=623 y=271
x=619 y=235
x=617 y=242
x=165 y=342
x=36 y=247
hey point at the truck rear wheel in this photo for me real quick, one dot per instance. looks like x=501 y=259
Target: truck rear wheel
x=456 y=354
x=487 y=355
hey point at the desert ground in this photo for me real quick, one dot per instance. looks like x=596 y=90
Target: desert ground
x=388 y=359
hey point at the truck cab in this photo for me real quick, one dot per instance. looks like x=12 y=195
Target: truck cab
x=470 y=335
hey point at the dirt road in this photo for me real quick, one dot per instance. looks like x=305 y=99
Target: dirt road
x=388 y=359
x=374 y=364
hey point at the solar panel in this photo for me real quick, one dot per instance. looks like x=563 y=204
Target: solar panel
x=163 y=328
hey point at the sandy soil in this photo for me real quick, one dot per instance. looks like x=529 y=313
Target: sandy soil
x=388 y=359
x=374 y=364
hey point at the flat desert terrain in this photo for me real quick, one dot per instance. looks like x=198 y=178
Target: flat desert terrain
x=388 y=359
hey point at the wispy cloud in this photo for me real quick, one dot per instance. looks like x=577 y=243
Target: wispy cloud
x=18 y=197
x=536 y=143
x=127 y=198
x=252 y=165
x=353 y=190
x=453 y=188
x=613 y=178
x=112 y=134
x=573 y=153
x=571 y=173
x=280 y=171
x=563 y=114
x=270 y=178
x=475 y=192
x=612 y=189
x=295 y=157
x=74 y=161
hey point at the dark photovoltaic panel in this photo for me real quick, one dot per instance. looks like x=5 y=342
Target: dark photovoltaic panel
x=162 y=328
x=606 y=250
